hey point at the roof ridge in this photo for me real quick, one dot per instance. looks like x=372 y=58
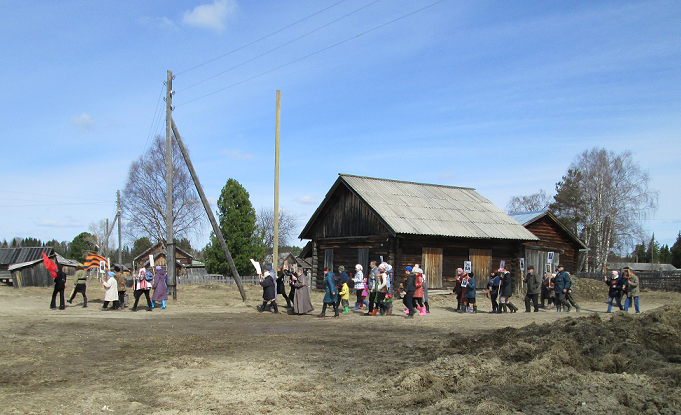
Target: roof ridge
x=405 y=181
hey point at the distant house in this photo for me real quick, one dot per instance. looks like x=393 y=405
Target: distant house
x=554 y=238
x=365 y=219
x=182 y=259
x=643 y=267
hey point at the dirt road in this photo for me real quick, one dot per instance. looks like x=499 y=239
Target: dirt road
x=209 y=352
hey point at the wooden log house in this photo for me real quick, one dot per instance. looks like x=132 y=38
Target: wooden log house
x=365 y=219
x=554 y=237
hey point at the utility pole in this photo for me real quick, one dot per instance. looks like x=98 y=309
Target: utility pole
x=275 y=246
x=118 y=216
x=170 y=244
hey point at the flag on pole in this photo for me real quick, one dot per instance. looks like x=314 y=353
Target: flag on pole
x=93 y=260
x=51 y=266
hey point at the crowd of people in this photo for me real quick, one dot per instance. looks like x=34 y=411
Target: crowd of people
x=114 y=286
x=375 y=292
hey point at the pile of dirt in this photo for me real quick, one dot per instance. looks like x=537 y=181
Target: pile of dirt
x=626 y=364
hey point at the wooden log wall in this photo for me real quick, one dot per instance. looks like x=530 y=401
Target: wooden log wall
x=345 y=216
x=552 y=236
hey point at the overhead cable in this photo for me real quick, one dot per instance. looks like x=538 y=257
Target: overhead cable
x=313 y=53
x=281 y=46
x=262 y=38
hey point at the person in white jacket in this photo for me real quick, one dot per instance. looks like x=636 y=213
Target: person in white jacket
x=359 y=287
x=111 y=291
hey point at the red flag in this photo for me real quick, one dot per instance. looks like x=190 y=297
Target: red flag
x=51 y=266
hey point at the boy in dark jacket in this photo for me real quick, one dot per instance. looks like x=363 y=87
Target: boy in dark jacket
x=409 y=289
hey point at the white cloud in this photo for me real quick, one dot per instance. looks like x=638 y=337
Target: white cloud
x=84 y=122
x=237 y=154
x=210 y=16
x=306 y=200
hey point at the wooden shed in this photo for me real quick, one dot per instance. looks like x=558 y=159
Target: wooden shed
x=365 y=219
x=554 y=237
x=23 y=267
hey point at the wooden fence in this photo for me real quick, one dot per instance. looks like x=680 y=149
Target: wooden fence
x=216 y=278
x=654 y=280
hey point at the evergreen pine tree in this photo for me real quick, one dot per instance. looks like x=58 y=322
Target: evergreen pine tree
x=237 y=221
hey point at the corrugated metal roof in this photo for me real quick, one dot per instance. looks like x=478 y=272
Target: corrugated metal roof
x=526 y=217
x=17 y=255
x=429 y=209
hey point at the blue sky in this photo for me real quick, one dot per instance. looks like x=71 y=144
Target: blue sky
x=499 y=96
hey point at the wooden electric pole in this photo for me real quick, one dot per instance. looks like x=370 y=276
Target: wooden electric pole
x=170 y=244
x=209 y=212
x=275 y=247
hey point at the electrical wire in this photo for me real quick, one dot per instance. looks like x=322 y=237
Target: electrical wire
x=281 y=46
x=51 y=196
x=153 y=121
x=262 y=38
x=313 y=53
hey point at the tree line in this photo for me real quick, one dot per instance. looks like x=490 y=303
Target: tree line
x=603 y=198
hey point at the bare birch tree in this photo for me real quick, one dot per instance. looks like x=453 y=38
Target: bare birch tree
x=288 y=223
x=531 y=203
x=604 y=198
x=144 y=197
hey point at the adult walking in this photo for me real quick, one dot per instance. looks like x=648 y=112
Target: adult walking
x=160 y=287
x=80 y=284
x=506 y=281
x=142 y=286
x=533 y=283
x=493 y=289
x=631 y=289
x=59 y=287
x=110 y=291
x=281 y=289
x=371 y=288
x=409 y=289
x=120 y=283
x=268 y=293
x=330 y=293
x=301 y=295
x=562 y=284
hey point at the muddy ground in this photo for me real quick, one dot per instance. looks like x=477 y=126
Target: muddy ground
x=211 y=353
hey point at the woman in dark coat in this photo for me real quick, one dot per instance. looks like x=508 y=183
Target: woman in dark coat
x=331 y=294
x=506 y=291
x=301 y=295
x=160 y=288
x=267 y=283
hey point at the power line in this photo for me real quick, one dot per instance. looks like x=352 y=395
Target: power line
x=313 y=53
x=281 y=46
x=262 y=38
x=153 y=121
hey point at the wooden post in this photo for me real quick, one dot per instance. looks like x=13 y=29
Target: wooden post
x=275 y=247
x=206 y=206
x=118 y=216
x=170 y=244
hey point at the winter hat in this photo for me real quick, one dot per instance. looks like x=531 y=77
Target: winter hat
x=459 y=271
x=158 y=267
x=359 y=267
x=341 y=268
x=408 y=269
x=615 y=275
x=418 y=270
x=111 y=274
